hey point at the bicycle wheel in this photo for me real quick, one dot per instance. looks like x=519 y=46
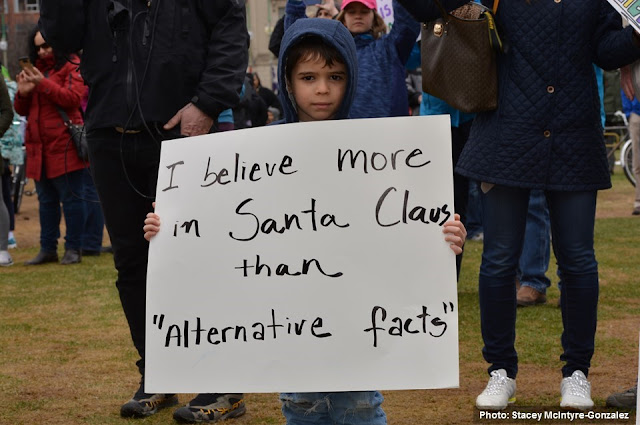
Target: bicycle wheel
x=626 y=161
x=17 y=187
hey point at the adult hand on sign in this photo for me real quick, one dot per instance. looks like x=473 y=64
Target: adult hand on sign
x=193 y=122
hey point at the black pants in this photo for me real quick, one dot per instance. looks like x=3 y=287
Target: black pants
x=125 y=172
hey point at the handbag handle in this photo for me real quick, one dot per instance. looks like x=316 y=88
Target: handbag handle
x=444 y=12
x=494 y=37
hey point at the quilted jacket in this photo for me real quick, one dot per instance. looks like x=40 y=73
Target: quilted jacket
x=546 y=132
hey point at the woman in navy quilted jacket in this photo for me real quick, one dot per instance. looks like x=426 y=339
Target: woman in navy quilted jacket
x=546 y=134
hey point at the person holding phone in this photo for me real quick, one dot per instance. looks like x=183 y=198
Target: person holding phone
x=52 y=84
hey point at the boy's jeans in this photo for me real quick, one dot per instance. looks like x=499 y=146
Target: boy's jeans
x=343 y=408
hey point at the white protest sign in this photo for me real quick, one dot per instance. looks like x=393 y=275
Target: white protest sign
x=385 y=9
x=304 y=257
x=629 y=9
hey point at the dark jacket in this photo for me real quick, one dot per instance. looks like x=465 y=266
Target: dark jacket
x=182 y=51
x=47 y=139
x=546 y=132
x=381 y=91
x=336 y=35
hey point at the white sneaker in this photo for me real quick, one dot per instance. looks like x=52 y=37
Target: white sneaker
x=5 y=259
x=500 y=391
x=576 y=392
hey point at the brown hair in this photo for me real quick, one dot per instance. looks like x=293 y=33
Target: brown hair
x=311 y=48
x=378 y=29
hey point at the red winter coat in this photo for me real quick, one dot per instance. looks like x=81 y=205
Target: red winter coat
x=47 y=139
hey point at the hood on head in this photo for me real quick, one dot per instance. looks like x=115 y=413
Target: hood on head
x=335 y=34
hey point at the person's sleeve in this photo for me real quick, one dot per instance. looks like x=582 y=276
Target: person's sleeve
x=427 y=10
x=614 y=47
x=6 y=111
x=404 y=32
x=275 y=102
x=22 y=104
x=227 y=56
x=69 y=94
x=294 y=10
x=276 y=37
x=62 y=24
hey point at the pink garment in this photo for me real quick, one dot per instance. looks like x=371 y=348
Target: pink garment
x=371 y=4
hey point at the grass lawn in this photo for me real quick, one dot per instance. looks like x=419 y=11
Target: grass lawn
x=66 y=356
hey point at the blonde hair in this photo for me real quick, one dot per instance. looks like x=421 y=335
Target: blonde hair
x=378 y=29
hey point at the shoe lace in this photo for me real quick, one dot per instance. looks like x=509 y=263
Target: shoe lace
x=578 y=386
x=496 y=384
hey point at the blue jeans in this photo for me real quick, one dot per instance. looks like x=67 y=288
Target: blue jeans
x=94 y=223
x=344 y=408
x=68 y=189
x=534 y=260
x=572 y=216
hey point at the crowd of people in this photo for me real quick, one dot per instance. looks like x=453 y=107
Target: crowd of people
x=526 y=173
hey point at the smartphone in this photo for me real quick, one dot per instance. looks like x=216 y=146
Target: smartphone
x=312 y=2
x=25 y=62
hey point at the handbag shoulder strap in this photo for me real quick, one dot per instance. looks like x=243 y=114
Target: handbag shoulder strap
x=64 y=115
x=495 y=6
x=443 y=11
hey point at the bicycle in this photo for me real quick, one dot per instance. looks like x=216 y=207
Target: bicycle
x=621 y=138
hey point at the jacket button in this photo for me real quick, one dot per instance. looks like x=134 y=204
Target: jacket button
x=550 y=89
x=557 y=1
x=547 y=133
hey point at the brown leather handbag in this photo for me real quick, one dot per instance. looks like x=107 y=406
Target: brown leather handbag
x=459 y=57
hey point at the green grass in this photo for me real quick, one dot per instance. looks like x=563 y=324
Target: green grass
x=66 y=355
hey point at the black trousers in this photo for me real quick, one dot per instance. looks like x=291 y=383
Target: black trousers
x=125 y=172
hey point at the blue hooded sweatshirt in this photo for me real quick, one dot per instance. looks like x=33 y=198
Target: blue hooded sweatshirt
x=334 y=34
x=381 y=91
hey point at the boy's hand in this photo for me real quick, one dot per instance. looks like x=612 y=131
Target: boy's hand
x=455 y=234
x=151 y=225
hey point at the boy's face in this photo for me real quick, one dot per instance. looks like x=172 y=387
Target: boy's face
x=318 y=89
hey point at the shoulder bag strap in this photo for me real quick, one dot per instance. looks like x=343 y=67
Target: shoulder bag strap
x=443 y=11
x=495 y=6
x=63 y=115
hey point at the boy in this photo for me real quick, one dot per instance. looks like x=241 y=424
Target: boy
x=318 y=71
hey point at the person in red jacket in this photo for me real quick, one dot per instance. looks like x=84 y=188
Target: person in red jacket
x=53 y=84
